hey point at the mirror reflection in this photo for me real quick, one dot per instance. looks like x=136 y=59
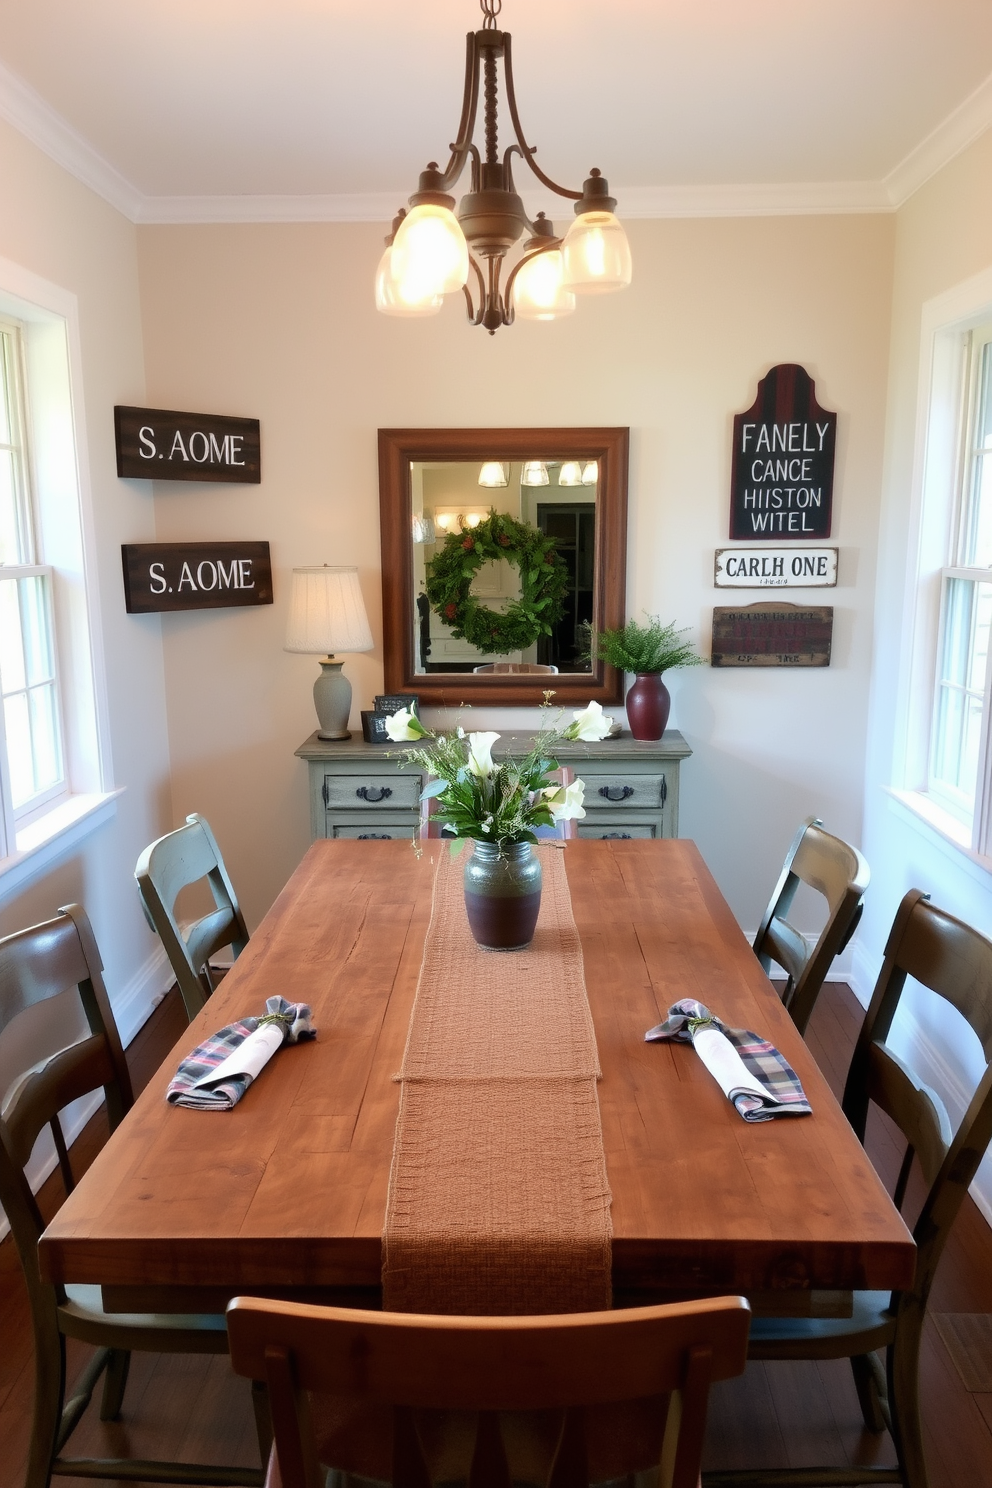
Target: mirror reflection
x=503 y=559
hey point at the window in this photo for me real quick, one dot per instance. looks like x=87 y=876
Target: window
x=32 y=771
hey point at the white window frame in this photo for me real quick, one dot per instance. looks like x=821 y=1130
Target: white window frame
x=65 y=547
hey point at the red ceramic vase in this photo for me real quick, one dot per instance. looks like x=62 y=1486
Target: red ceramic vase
x=648 y=706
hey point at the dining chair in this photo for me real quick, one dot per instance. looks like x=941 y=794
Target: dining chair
x=59 y=959
x=838 y=872
x=180 y=858
x=530 y=667
x=954 y=962
x=397 y=1369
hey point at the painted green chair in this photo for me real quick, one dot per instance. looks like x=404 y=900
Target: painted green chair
x=175 y=861
x=838 y=872
x=955 y=962
x=55 y=959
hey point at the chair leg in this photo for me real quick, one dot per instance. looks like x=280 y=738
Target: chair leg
x=263 y=1419
x=866 y=1384
x=49 y=1392
x=114 y=1383
x=904 y=1397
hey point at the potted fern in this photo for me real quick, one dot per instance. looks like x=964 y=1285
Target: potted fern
x=647 y=651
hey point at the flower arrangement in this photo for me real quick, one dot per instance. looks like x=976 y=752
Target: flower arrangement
x=504 y=801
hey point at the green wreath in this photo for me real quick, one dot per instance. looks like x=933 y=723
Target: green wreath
x=543 y=584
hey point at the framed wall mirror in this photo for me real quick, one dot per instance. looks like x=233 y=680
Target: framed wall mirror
x=501 y=550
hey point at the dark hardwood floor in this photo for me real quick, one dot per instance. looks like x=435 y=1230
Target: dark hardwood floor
x=778 y=1415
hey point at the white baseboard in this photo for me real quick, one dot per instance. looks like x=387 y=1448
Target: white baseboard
x=133 y=1006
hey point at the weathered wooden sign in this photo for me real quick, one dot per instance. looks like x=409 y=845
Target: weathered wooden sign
x=160 y=444
x=195 y=576
x=772 y=635
x=775 y=568
x=782 y=479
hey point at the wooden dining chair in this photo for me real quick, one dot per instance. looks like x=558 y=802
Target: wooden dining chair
x=530 y=667
x=180 y=858
x=838 y=872
x=400 y=1368
x=955 y=962
x=55 y=959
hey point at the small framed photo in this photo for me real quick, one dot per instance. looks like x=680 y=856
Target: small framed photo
x=374 y=722
x=393 y=702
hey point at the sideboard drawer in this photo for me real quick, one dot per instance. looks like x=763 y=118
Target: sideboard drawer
x=372 y=831
x=618 y=829
x=359 y=792
x=633 y=792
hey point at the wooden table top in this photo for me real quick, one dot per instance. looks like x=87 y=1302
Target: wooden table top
x=287 y=1192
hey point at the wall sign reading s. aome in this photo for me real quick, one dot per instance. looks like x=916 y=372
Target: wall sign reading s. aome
x=160 y=444
x=195 y=576
x=782 y=479
x=775 y=568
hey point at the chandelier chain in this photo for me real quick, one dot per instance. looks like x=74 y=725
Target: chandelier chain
x=490 y=9
x=492 y=123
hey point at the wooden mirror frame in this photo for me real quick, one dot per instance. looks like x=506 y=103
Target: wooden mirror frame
x=398 y=449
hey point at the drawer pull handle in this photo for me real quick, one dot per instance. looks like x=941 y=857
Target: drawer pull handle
x=373 y=793
x=617 y=837
x=616 y=792
x=374 y=837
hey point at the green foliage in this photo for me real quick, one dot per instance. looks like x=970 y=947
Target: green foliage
x=646 y=648
x=543 y=584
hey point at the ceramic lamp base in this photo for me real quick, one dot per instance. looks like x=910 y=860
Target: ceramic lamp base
x=332 y=699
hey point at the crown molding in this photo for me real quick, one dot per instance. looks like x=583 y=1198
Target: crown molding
x=952 y=135
x=31 y=116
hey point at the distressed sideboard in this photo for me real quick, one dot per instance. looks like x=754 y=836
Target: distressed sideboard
x=360 y=791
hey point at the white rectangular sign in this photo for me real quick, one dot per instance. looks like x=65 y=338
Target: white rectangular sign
x=776 y=568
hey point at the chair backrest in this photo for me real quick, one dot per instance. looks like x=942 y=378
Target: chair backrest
x=562 y=831
x=837 y=871
x=954 y=961
x=37 y=965
x=516 y=666
x=176 y=860
x=411 y=1362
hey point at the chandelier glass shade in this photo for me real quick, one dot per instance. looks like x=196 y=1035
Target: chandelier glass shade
x=438 y=248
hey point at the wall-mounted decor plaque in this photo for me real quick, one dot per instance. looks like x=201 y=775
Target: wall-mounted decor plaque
x=782 y=478
x=775 y=568
x=772 y=635
x=195 y=576
x=159 y=444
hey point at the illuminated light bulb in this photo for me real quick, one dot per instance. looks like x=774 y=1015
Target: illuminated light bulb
x=443 y=521
x=395 y=298
x=538 y=291
x=596 y=254
x=473 y=519
x=570 y=474
x=534 y=473
x=493 y=473
x=430 y=254
x=590 y=473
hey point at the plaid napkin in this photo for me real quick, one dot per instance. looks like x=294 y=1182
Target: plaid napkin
x=779 y=1092
x=295 y=1020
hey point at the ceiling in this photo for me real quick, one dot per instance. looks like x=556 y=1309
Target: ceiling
x=177 y=106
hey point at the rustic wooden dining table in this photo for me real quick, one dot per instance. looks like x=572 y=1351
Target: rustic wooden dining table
x=286 y=1193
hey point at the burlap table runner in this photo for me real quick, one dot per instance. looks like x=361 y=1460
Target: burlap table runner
x=498 y=1198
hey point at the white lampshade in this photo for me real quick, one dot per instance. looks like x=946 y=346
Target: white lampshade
x=570 y=474
x=538 y=291
x=327 y=612
x=430 y=254
x=534 y=473
x=596 y=254
x=590 y=473
x=393 y=297
x=494 y=473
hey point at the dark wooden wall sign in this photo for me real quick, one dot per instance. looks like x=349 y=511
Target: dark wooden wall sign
x=195 y=576
x=159 y=444
x=772 y=635
x=782 y=479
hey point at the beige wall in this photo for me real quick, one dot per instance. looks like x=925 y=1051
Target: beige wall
x=59 y=230
x=277 y=322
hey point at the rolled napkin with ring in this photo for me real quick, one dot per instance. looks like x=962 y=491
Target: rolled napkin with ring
x=749 y=1070
x=218 y=1072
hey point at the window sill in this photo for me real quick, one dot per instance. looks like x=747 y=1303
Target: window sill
x=951 y=836
x=53 y=835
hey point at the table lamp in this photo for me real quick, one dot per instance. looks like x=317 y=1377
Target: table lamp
x=327 y=614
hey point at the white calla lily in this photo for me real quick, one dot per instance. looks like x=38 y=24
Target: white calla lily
x=405 y=725
x=565 y=801
x=480 y=759
x=591 y=724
